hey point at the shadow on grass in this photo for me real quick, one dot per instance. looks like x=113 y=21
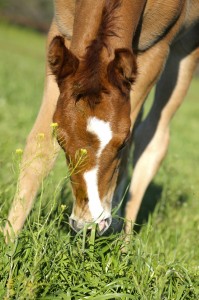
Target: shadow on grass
x=151 y=198
x=162 y=196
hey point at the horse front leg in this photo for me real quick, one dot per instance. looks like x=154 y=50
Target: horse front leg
x=152 y=136
x=150 y=64
x=39 y=154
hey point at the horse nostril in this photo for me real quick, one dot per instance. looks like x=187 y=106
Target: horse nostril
x=76 y=226
x=104 y=225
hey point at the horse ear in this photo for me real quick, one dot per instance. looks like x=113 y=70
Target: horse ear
x=122 y=70
x=61 y=60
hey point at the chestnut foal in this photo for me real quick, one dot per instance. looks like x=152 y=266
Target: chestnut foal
x=94 y=50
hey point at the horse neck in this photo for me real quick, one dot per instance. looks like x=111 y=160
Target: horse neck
x=86 y=23
x=122 y=18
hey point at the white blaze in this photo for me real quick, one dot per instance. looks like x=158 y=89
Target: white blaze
x=93 y=193
x=103 y=132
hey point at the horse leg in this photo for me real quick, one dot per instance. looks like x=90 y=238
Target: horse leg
x=152 y=136
x=39 y=154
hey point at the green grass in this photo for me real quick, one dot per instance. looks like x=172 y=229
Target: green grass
x=162 y=262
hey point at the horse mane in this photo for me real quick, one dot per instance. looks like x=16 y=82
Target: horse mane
x=88 y=82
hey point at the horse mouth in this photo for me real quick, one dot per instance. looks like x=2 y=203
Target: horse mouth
x=101 y=226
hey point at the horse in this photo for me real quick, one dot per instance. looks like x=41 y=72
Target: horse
x=103 y=58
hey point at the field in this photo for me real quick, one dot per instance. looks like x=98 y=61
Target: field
x=46 y=262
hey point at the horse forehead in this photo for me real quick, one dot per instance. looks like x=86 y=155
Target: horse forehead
x=102 y=129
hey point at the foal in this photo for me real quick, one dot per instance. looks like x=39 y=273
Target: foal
x=94 y=93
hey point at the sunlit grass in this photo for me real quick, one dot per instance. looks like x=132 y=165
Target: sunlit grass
x=47 y=262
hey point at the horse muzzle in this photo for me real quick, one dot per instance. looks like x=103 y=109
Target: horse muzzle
x=102 y=225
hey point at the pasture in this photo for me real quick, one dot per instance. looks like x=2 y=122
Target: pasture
x=46 y=262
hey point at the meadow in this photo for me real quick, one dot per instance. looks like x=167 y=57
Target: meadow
x=46 y=262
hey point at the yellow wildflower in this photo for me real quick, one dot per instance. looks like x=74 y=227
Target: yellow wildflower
x=19 y=151
x=54 y=125
x=83 y=151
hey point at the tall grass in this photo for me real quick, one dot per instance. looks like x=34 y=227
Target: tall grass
x=46 y=261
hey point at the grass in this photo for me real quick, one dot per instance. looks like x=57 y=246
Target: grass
x=46 y=262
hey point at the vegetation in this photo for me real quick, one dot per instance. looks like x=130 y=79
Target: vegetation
x=36 y=14
x=46 y=262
